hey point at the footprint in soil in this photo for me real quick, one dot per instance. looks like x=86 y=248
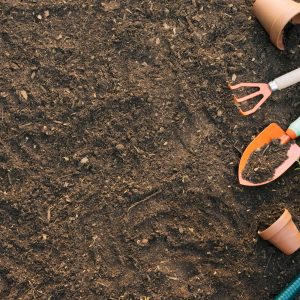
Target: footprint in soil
x=182 y=269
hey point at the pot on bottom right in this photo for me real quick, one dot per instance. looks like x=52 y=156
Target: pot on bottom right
x=283 y=234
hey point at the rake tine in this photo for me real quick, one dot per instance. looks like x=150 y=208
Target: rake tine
x=263 y=89
x=255 y=108
x=248 y=96
x=243 y=84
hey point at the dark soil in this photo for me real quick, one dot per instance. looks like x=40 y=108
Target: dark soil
x=268 y=217
x=263 y=162
x=291 y=41
x=120 y=145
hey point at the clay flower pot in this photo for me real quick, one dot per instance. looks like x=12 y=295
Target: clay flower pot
x=283 y=234
x=274 y=15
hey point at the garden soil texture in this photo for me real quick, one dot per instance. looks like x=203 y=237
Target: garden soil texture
x=120 y=145
x=263 y=162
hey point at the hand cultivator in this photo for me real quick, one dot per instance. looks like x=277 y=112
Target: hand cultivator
x=265 y=89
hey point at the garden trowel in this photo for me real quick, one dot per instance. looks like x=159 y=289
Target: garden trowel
x=273 y=131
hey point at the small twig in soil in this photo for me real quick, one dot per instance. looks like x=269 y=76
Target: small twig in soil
x=49 y=214
x=263 y=153
x=236 y=148
x=9 y=178
x=268 y=263
x=24 y=125
x=143 y=200
x=218 y=74
x=2 y=113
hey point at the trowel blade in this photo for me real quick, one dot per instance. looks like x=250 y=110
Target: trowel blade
x=273 y=131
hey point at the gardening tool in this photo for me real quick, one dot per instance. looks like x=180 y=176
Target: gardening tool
x=266 y=89
x=291 y=291
x=273 y=131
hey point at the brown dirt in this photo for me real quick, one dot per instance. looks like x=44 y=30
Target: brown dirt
x=268 y=217
x=291 y=41
x=120 y=146
x=263 y=162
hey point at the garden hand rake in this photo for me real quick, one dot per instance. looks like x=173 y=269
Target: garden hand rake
x=266 y=89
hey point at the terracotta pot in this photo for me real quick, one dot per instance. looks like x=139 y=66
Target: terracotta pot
x=274 y=15
x=283 y=234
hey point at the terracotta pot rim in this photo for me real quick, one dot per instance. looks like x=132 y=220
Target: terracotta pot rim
x=276 y=31
x=276 y=226
x=274 y=15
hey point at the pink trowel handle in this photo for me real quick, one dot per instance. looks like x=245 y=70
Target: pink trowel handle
x=285 y=80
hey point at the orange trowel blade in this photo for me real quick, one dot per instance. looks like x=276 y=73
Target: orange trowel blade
x=273 y=131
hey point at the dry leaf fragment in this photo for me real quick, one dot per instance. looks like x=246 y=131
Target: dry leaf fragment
x=24 y=95
x=84 y=160
x=112 y=5
x=166 y=26
x=49 y=214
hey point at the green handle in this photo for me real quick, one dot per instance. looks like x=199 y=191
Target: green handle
x=295 y=127
x=291 y=291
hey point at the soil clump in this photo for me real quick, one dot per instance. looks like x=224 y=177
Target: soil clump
x=263 y=162
x=268 y=217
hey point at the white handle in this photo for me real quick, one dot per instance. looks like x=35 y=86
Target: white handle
x=288 y=79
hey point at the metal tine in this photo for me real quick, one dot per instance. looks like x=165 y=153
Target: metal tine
x=246 y=84
x=245 y=98
x=255 y=108
x=263 y=89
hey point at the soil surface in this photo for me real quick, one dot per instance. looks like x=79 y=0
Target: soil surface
x=270 y=216
x=263 y=162
x=120 y=145
x=291 y=40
